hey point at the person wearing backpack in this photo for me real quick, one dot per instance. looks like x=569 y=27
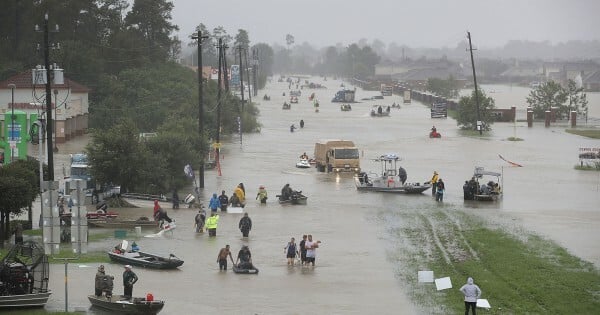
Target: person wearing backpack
x=291 y=251
x=245 y=225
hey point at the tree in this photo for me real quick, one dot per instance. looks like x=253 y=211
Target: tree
x=18 y=189
x=445 y=88
x=577 y=99
x=266 y=59
x=467 y=111
x=242 y=40
x=117 y=156
x=150 y=19
x=209 y=49
x=545 y=96
x=289 y=40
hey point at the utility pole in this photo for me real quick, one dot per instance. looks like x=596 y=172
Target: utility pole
x=218 y=143
x=479 y=123
x=50 y=122
x=199 y=37
x=248 y=79
x=255 y=70
x=225 y=74
x=242 y=90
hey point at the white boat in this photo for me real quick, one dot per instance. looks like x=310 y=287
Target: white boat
x=389 y=180
x=487 y=190
x=303 y=163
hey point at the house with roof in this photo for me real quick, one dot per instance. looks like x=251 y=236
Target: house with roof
x=70 y=103
x=591 y=82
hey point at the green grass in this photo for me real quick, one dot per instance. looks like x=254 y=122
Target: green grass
x=90 y=257
x=518 y=275
x=590 y=133
x=37 y=232
x=37 y=312
x=588 y=167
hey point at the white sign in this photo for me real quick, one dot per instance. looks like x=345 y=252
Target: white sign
x=443 y=283
x=483 y=303
x=425 y=276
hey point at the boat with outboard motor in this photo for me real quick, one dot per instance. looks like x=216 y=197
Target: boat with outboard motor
x=120 y=304
x=122 y=224
x=143 y=259
x=390 y=180
x=490 y=191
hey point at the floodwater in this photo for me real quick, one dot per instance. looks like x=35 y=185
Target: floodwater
x=355 y=272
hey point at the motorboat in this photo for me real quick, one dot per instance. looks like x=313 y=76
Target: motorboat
x=379 y=111
x=487 y=191
x=122 y=224
x=24 y=276
x=297 y=198
x=120 y=304
x=303 y=163
x=389 y=180
x=143 y=259
x=346 y=107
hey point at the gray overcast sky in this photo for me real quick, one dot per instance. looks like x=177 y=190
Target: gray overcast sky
x=417 y=23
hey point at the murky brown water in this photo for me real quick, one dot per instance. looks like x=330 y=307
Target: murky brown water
x=354 y=273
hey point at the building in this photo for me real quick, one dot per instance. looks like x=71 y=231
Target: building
x=69 y=102
x=591 y=82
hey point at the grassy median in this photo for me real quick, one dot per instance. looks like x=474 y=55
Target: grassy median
x=518 y=273
x=590 y=133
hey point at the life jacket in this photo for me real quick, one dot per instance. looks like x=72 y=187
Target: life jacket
x=291 y=249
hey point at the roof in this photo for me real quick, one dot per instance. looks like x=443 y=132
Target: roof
x=593 y=77
x=23 y=80
x=424 y=74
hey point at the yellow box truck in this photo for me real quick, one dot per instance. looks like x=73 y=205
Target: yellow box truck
x=337 y=156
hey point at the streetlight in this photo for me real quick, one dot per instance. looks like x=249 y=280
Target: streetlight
x=12 y=87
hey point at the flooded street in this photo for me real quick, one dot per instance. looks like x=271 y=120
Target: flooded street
x=356 y=272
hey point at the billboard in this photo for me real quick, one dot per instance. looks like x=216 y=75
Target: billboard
x=234 y=75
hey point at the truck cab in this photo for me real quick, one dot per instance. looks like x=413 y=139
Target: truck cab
x=337 y=156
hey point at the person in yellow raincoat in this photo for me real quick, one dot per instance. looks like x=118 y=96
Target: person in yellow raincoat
x=240 y=192
x=434 y=181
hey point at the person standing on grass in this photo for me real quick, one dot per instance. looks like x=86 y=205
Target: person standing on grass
x=471 y=292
